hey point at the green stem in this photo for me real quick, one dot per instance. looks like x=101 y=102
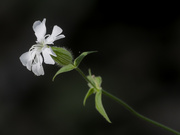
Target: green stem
x=85 y=77
x=138 y=114
x=130 y=109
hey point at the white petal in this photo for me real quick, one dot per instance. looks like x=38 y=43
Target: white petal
x=55 y=35
x=38 y=58
x=37 y=69
x=34 y=69
x=47 y=52
x=29 y=65
x=24 y=58
x=40 y=30
x=56 y=30
x=60 y=36
x=32 y=59
x=35 y=24
x=52 y=52
x=40 y=70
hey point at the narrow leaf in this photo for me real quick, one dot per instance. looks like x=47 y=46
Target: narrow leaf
x=90 y=92
x=64 y=69
x=78 y=60
x=99 y=105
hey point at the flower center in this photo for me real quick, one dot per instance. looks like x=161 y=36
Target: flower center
x=36 y=47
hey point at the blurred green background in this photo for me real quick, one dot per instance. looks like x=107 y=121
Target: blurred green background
x=138 y=58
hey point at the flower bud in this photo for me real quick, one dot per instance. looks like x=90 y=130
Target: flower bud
x=96 y=81
x=63 y=56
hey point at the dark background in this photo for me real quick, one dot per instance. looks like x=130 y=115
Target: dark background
x=138 y=58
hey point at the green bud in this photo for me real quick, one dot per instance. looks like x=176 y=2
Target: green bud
x=63 y=58
x=95 y=81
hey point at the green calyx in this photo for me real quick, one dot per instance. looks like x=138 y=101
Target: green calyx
x=63 y=56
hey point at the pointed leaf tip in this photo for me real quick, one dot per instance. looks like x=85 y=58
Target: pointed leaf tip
x=99 y=105
x=64 y=69
x=78 y=60
x=90 y=92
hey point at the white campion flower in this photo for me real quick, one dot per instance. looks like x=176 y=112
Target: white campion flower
x=33 y=58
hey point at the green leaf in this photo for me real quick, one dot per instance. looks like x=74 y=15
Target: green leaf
x=90 y=92
x=78 y=60
x=64 y=69
x=99 y=106
x=63 y=56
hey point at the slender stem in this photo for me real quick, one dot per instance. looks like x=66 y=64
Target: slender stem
x=138 y=114
x=130 y=109
x=85 y=77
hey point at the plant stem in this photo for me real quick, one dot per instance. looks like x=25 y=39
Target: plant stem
x=85 y=77
x=126 y=106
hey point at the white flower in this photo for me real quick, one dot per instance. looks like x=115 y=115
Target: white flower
x=33 y=58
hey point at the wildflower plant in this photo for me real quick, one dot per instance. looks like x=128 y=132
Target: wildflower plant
x=33 y=61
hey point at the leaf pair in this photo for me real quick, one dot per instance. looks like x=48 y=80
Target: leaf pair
x=95 y=88
x=98 y=102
